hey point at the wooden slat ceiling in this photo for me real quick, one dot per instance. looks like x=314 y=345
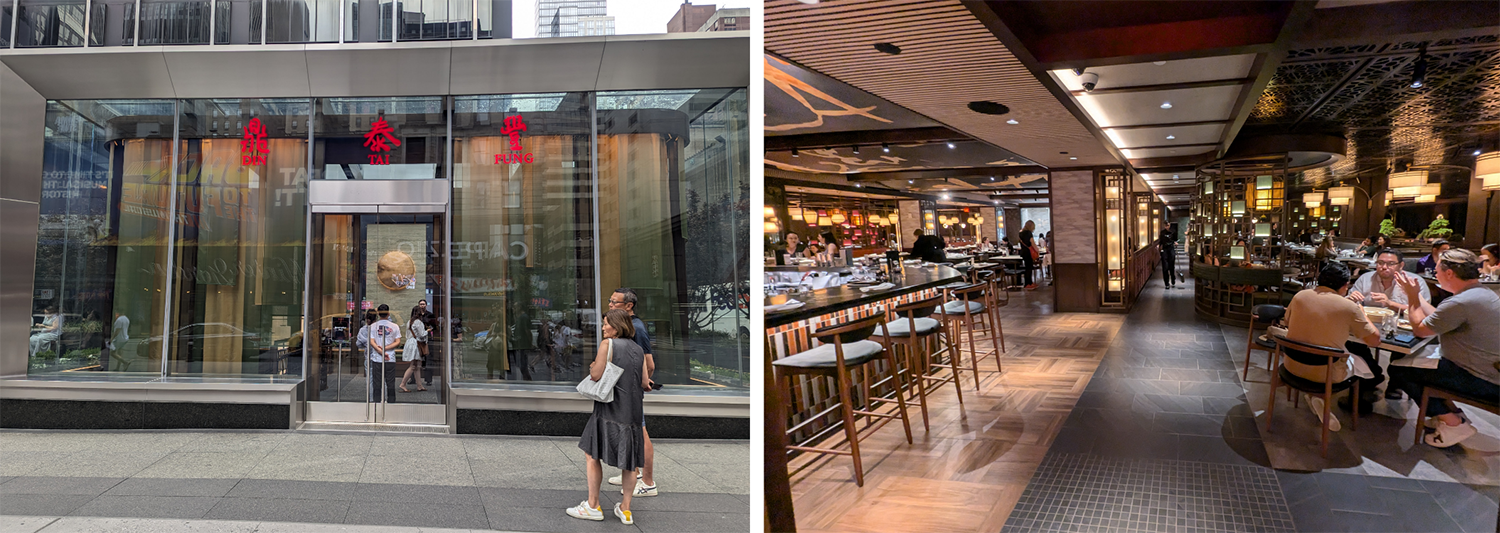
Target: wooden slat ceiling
x=948 y=59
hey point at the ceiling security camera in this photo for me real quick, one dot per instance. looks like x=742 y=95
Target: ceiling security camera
x=1089 y=80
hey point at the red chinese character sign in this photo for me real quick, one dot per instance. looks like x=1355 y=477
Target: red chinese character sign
x=379 y=140
x=253 y=148
x=512 y=128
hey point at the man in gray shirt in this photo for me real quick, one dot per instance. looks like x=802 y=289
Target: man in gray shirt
x=1467 y=325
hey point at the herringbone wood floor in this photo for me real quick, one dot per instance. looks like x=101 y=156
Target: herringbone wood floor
x=967 y=473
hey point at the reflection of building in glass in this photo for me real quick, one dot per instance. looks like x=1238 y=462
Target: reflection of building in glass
x=562 y=18
x=596 y=25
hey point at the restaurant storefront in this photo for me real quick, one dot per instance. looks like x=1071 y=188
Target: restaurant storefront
x=206 y=261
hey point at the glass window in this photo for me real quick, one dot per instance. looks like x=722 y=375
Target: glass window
x=102 y=239
x=112 y=23
x=493 y=19
x=436 y=19
x=673 y=225
x=380 y=138
x=368 y=21
x=523 y=246
x=50 y=23
x=241 y=228
x=174 y=21
x=6 y=13
x=237 y=21
x=303 y=21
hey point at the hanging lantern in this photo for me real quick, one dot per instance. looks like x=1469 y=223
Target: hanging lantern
x=838 y=216
x=1403 y=180
x=1425 y=198
x=796 y=213
x=1431 y=189
x=1487 y=169
x=771 y=227
x=1340 y=195
x=824 y=220
x=770 y=211
x=810 y=215
x=858 y=219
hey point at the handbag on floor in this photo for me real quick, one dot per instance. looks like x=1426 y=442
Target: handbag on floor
x=604 y=389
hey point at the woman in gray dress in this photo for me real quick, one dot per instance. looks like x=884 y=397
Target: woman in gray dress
x=613 y=433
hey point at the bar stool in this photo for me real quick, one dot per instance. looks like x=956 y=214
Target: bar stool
x=1262 y=315
x=836 y=358
x=913 y=317
x=1311 y=355
x=968 y=307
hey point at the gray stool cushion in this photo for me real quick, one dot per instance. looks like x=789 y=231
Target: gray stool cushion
x=901 y=327
x=823 y=356
x=957 y=307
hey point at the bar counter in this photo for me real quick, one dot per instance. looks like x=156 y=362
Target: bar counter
x=832 y=300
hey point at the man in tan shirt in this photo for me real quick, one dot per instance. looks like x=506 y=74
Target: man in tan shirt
x=1322 y=316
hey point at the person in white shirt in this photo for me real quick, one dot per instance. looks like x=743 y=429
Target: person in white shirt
x=1378 y=288
x=119 y=335
x=385 y=336
x=52 y=323
x=412 y=354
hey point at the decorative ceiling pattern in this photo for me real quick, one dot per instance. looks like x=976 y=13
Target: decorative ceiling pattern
x=948 y=59
x=1364 y=93
x=801 y=101
x=925 y=156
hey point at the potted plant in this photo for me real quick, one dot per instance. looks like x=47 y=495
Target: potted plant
x=1437 y=230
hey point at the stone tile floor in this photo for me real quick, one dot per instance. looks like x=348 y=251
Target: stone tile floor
x=1163 y=430
x=266 y=481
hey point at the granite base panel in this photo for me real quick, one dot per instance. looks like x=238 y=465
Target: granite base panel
x=73 y=414
x=555 y=424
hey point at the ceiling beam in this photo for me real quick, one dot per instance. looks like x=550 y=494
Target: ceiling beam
x=1165 y=125
x=1397 y=22
x=1166 y=86
x=1264 y=68
x=943 y=174
x=1020 y=196
x=807 y=141
x=1194 y=145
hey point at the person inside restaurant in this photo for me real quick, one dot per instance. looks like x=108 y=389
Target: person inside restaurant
x=794 y=245
x=1438 y=247
x=1378 y=288
x=1465 y=324
x=1323 y=316
x=1490 y=253
x=830 y=243
x=1029 y=255
x=929 y=248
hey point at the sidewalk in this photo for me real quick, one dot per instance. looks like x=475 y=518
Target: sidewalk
x=284 y=481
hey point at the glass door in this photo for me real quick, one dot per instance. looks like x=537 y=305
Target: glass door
x=361 y=262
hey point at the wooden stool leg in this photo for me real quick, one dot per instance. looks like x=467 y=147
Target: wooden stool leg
x=957 y=387
x=1250 y=342
x=1271 y=405
x=994 y=338
x=850 y=432
x=1421 y=417
x=912 y=354
x=900 y=398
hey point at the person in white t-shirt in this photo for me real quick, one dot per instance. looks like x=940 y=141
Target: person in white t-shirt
x=385 y=336
x=119 y=335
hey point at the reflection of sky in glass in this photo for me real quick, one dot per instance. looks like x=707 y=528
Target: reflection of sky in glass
x=504 y=104
x=645 y=99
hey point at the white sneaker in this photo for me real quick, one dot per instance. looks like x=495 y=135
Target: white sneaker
x=642 y=490
x=1316 y=404
x=587 y=513
x=619 y=480
x=1446 y=436
x=624 y=516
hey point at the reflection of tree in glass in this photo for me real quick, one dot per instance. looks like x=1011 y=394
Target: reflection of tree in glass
x=716 y=282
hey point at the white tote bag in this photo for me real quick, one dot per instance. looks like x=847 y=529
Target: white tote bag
x=604 y=389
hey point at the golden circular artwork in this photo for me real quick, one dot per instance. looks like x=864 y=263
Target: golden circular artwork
x=396 y=271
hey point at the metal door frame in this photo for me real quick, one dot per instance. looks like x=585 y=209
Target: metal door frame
x=377 y=412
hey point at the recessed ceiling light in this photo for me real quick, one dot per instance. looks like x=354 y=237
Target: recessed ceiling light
x=1012 y=121
x=988 y=107
x=946 y=196
x=992 y=178
x=1157 y=63
x=1169 y=137
x=1174 y=176
x=1477 y=152
x=794 y=152
x=1073 y=158
x=888 y=48
x=856 y=149
x=1166 y=105
x=950 y=146
x=860 y=185
x=809 y=2
x=885 y=147
x=911 y=181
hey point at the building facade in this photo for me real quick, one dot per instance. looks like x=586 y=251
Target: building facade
x=193 y=233
x=737 y=19
x=689 y=17
x=565 y=18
